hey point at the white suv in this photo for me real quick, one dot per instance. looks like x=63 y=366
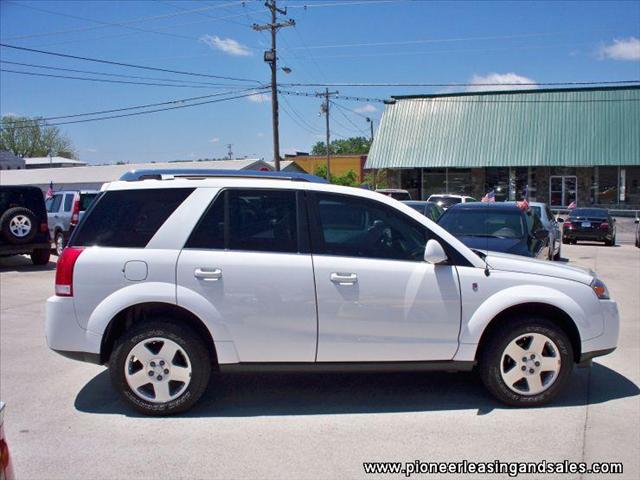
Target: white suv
x=168 y=279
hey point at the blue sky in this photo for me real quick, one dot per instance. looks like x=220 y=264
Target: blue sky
x=350 y=41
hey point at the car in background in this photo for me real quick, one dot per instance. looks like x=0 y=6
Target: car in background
x=396 y=193
x=499 y=227
x=593 y=224
x=23 y=223
x=637 y=222
x=445 y=200
x=551 y=224
x=431 y=210
x=64 y=211
x=6 y=465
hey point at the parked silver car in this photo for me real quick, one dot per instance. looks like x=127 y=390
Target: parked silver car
x=550 y=223
x=64 y=211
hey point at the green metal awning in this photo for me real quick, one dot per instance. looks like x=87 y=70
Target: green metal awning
x=576 y=127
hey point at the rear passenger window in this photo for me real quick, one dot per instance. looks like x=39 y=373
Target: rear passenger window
x=249 y=220
x=68 y=202
x=128 y=218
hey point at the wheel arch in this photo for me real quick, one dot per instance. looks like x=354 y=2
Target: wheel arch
x=551 y=312
x=140 y=312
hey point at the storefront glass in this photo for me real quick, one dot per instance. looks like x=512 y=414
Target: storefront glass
x=607 y=187
x=410 y=181
x=459 y=181
x=434 y=181
x=497 y=179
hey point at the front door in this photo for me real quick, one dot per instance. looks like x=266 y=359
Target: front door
x=563 y=190
x=247 y=257
x=378 y=300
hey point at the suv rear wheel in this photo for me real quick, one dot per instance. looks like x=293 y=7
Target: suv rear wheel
x=527 y=362
x=40 y=256
x=160 y=367
x=18 y=225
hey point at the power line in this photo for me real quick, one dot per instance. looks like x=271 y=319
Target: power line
x=341 y=4
x=103 y=24
x=145 y=112
x=343 y=97
x=309 y=127
x=184 y=82
x=356 y=127
x=130 y=65
x=123 y=109
x=104 y=80
x=355 y=112
x=483 y=84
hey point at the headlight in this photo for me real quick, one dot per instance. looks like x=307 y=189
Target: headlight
x=600 y=289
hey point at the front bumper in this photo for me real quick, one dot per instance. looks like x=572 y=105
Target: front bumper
x=66 y=336
x=608 y=341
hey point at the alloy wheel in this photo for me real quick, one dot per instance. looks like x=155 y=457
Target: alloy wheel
x=530 y=364
x=20 y=226
x=158 y=370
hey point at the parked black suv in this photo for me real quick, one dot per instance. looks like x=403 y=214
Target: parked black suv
x=23 y=224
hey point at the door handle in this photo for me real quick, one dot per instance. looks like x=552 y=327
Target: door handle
x=208 y=274
x=344 y=278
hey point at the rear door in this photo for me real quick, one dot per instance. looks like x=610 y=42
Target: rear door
x=54 y=206
x=249 y=257
x=378 y=300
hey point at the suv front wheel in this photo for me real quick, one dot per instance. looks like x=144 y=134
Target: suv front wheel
x=160 y=368
x=527 y=362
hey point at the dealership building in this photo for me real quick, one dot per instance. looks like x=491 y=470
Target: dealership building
x=566 y=145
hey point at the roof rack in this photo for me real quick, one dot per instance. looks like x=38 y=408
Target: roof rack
x=199 y=173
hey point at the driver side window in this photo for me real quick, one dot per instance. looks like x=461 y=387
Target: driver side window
x=357 y=227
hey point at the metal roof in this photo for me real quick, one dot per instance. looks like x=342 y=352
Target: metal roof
x=561 y=127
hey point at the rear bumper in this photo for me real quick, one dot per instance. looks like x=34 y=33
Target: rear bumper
x=26 y=248
x=587 y=235
x=66 y=336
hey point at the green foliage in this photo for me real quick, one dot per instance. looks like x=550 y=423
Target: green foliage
x=344 y=146
x=349 y=179
x=29 y=137
x=377 y=179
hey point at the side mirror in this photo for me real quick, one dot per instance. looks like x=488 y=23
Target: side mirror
x=560 y=220
x=541 y=234
x=434 y=253
x=637 y=220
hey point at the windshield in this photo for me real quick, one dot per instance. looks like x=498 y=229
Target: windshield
x=589 y=212
x=483 y=223
x=444 y=202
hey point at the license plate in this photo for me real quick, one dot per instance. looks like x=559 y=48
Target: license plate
x=586 y=224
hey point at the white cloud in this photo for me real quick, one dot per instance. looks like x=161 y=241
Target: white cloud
x=260 y=134
x=226 y=45
x=622 y=49
x=214 y=140
x=501 y=81
x=366 y=108
x=259 y=97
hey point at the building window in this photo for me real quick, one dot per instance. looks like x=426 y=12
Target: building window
x=607 y=187
x=459 y=181
x=632 y=194
x=434 y=181
x=410 y=181
x=497 y=179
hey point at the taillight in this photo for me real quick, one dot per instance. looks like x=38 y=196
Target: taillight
x=64 y=271
x=75 y=213
x=604 y=225
x=44 y=227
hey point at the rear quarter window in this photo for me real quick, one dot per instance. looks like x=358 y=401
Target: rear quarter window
x=128 y=218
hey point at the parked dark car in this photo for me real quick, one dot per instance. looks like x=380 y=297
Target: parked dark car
x=430 y=210
x=637 y=222
x=593 y=224
x=23 y=224
x=499 y=227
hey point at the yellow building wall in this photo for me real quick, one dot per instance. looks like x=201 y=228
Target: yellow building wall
x=340 y=164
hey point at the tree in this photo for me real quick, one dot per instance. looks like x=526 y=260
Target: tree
x=349 y=179
x=30 y=137
x=377 y=179
x=344 y=146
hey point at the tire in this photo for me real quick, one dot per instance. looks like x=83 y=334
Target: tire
x=558 y=256
x=494 y=360
x=610 y=243
x=58 y=240
x=18 y=225
x=145 y=338
x=40 y=256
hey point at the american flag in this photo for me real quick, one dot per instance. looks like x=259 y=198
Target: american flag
x=50 y=191
x=572 y=205
x=489 y=197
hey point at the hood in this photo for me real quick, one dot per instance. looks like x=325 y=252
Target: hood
x=510 y=245
x=516 y=263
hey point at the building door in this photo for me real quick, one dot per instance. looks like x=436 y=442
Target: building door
x=563 y=189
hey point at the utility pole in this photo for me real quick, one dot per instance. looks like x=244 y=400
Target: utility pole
x=370 y=120
x=324 y=108
x=230 y=152
x=270 y=57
